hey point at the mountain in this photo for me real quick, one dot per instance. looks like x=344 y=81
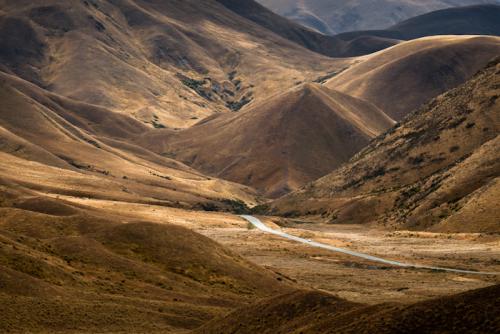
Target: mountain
x=278 y=145
x=470 y=20
x=336 y=16
x=285 y=28
x=435 y=171
x=58 y=145
x=313 y=40
x=318 y=312
x=71 y=268
x=401 y=78
x=165 y=63
x=282 y=143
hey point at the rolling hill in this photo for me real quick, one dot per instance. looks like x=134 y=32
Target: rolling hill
x=435 y=171
x=58 y=145
x=336 y=16
x=401 y=78
x=70 y=268
x=282 y=143
x=317 y=312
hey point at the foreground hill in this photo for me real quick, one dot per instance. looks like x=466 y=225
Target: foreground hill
x=68 y=268
x=338 y=16
x=317 y=312
x=436 y=170
x=165 y=63
x=401 y=78
x=282 y=143
x=58 y=145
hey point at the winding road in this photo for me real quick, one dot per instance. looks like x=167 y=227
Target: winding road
x=261 y=226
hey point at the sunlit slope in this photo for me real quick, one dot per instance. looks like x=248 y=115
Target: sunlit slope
x=401 y=78
x=437 y=170
x=281 y=143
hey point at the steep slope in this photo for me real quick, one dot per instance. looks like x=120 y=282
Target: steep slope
x=401 y=78
x=315 y=312
x=312 y=40
x=436 y=170
x=165 y=63
x=57 y=145
x=337 y=16
x=67 y=268
x=282 y=143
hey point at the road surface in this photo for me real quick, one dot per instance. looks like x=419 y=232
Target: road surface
x=261 y=226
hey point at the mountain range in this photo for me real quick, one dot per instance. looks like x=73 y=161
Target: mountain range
x=134 y=133
x=335 y=17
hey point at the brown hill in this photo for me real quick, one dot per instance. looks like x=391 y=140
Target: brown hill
x=401 y=78
x=67 y=268
x=57 y=145
x=316 y=312
x=282 y=143
x=164 y=63
x=437 y=169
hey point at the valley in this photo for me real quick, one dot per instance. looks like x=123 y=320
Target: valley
x=348 y=277
x=214 y=167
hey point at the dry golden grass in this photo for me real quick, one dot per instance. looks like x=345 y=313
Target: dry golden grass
x=401 y=78
x=316 y=312
x=71 y=268
x=54 y=144
x=440 y=160
x=279 y=144
x=127 y=56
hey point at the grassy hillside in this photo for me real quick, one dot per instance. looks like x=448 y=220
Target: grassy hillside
x=316 y=312
x=57 y=145
x=70 y=268
x=435 y=170
x=166 y=64
x=402 y=78
x=283 y=142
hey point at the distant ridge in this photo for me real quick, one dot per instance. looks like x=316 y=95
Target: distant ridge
x=339 y=16
x=470 y=20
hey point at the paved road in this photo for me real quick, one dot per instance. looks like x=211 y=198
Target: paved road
x=261 y=226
